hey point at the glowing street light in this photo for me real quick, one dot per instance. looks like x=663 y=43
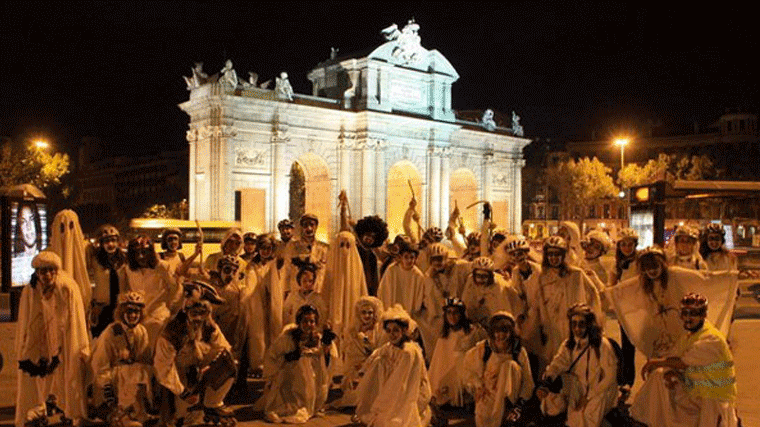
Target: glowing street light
x=41 y=144
x=622 y=142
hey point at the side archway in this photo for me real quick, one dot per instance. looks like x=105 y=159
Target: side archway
x=311 y=191
x=463 y=190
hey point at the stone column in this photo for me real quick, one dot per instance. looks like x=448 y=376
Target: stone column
x=367 y=147
x=434 y=188
x=517 y=186
x=280 y=190
x=192 y=136
x=487 y=180
x=445 y=190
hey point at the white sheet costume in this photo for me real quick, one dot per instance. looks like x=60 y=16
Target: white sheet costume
x=405 y=287
x=484 y=301
x=344 y=281
x=394 y=390
x=262 y=309
x=357 y=346
x=296 y=300
x=447 y=365
x=653 y=324
x=48 y=327
x=298 y=248
x=721 y=260
x=708 y=394
x=68 y=242
x=210 y=263
x=160 y=290
x=555 y=296
x=295 y=389
x=592 y=376
x=502 y=376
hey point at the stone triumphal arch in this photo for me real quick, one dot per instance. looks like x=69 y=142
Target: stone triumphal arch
x=379 y=125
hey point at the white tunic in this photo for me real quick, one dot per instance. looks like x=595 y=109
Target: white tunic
x=484 y=301
x=446 y=367
x=405 y=287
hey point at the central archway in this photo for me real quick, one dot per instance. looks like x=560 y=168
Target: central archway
x=401 y=177
x=311 y=191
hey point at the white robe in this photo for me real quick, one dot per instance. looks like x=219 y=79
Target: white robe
x=395 y=390
x=262 y=309
x=654 y=326
x=528 y=292
x=719 y=260
x=55 y=327
x=356 y=347
x=556 y=295
x=446 y=376
x=344 y=281
x=484 y=301
x=296 y=300
x=160 y=290
x=592 y=376
x=405 y=287
x=501 y=376
x=317 y=254
x=295 y=390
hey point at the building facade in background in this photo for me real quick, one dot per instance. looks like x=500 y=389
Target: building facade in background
x=380 y=126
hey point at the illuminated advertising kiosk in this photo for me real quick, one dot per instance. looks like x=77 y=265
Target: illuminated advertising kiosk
x=24 y=235
x=647 y=214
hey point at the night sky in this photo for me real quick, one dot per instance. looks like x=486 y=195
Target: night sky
x=114 y=70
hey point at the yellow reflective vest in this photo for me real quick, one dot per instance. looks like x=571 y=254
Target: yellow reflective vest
x=716 y=380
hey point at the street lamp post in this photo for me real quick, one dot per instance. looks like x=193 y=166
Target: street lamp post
x=622 y=142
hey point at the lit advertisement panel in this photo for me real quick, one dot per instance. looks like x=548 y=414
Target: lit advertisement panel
x=28 y=236
x=643 y=222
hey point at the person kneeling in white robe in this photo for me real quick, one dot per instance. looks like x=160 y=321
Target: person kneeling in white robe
x=295 y=370
x=498 y=372
x=394 y=389
x=587 y=365
x=697 y=388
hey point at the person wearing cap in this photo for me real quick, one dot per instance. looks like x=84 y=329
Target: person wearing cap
x=625 y=256
x=103 y=266
x=712 y=247
x=171 y=243
x=193 y=360
x=305 y=295
x=226 y=280
x=486 y=293
x=262 y=301
x=403 y=283
x=457 y=335
x=285 y=227
x=231 y=244
x=560 y=286
x=596 y=244
x=249 y=246
x=697 y=385
x=295 y=370
x=497 y=372
x=146 y=273
x=587 y=364
x=121 y=363
x=304 y=249
x=394 y=388
x=52 y=342
x=685 y=251
x=363 y=336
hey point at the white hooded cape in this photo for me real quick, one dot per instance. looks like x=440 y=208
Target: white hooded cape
x=344 y=281
x=654 y=330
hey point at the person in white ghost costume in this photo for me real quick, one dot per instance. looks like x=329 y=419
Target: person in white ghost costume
x=560 y=287
x=305 y=295
x=497 y=372
x=364 y=335
x=230 y=245
x=344 y=281
x=587 y=364
x=486 y=293
x=458 y=335
x=121 y=363
x=403 y=283
x=52 y=343
x=145 y=273
x=525 y=282
x=395 y=389
x=262 y=301
x=569 y=231
x=684 y=250
x=68 y=242
x=295 y=370
x=697 y=386
x=713 y=249
x=647 y=306
x=595 y=245
x=304 y=249
x=625 y=268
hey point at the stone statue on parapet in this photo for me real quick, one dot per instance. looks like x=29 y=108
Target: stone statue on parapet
x=197 y=78
x=333 y=52
x=266 y=84
x=408 y=48
x=517 y=128
x=282 y=87
x=229 y=76
x=487 y=121
x=253 y=79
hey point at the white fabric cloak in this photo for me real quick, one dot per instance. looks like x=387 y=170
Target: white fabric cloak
x=446 y=376
x=40 y=332
x=405 y=287
x=654 y=327
x=395 y=390
x=262 y=309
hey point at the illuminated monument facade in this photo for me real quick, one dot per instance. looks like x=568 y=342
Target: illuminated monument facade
x=380 y=126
